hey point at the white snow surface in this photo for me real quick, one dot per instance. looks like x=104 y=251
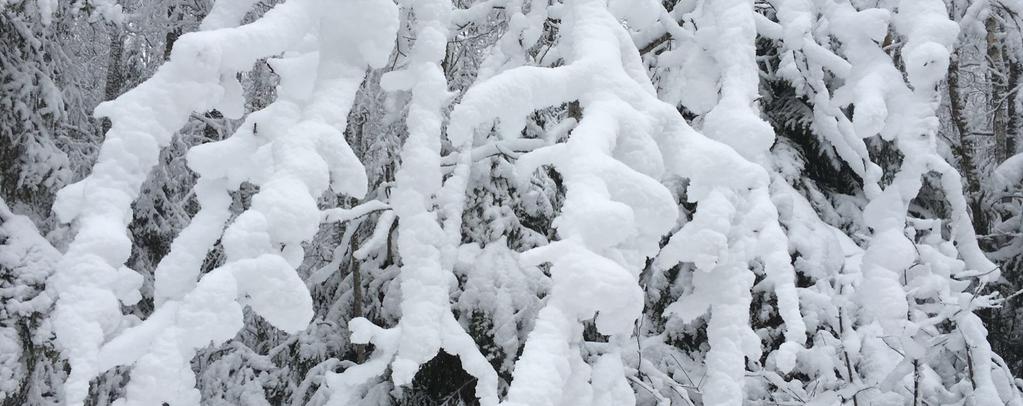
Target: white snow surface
x=878 y=295
x=302 y=152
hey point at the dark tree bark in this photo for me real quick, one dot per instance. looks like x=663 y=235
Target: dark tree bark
x=997 y=100
x=966 y=148
x=115 y=69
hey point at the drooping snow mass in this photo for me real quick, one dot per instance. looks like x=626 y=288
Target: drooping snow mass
x=427 y=324
x=300 y=137
x=521 y=202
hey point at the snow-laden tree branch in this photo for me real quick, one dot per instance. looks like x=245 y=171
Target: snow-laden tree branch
x=300 y=136
x=521 y=202
x=427 y=324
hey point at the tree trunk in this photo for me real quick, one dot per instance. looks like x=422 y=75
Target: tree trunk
x=173 y=34
x=1012 y=124
x=966 y=148
x=115 y=70
x=997 y=103
x=353 y=269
